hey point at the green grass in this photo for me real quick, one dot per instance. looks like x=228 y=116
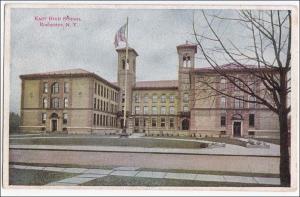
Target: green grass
x=135 y=142
x=154 y=182
x=35 y=177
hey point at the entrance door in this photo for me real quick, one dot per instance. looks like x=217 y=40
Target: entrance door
x=237 y=129
x=54 y=125
x=185 y=124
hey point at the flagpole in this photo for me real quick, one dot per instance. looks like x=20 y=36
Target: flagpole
x=125 y=85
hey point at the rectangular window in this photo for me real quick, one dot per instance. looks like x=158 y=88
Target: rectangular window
x=154 y=110
x=171 y=122
x=145 y=109
x=136 y=122
x=95 y=88
x=186 y=97
x=185 y=108
x=66 y=87
x=101 y=90
x=223 y=102
x=154 y=98
x=66 y=102
x=65 y=118
x=153 y=122
x=55 y=88
x=172 y=110
x=251 y=120
x=137 y=110
x=163 y=98
x=44 y=117
x=45 y=87
x=146 y=98
x=45 y=103
x=223 y=120
x=95 y=117
x=223 y=84
x=101 y=122
x=171 y=98
x=162 y=122
x=163 y=110
x=137 y=98
x=252 y=99
x=238 y=103
x=95 y=103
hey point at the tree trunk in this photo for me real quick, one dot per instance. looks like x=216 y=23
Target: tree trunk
x=284 y=151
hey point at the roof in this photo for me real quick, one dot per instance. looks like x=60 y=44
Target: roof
x=161 y=84
x=78 y=72
x=228 y=67
x=129 y=49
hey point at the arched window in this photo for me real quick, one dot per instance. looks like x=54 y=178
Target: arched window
x=55 y=103
x=55 y=88
x=45 y=103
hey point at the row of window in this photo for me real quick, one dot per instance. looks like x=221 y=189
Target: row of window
x=104 y=120
x=55 y=103
x=251 y=120
x=105 y=92
x=55 y=87
x=65 y=118
x=154 y=122
x=238 y=102
x=163 y=110
x=239 y=83
x=163 y=98
x=104 y=106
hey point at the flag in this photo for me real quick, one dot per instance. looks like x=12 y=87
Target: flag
x=120 y=35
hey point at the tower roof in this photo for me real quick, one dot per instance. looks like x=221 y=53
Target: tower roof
x=187 y=46
x=123 y=49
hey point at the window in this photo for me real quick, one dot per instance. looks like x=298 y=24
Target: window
x=223 y=120
x=136 y=98
x=66 y=87
x=95 y=88
x=172 y=110
x=145 y=109
x=66 y=102
x=101 y=122
x=238 y=83
x=153 y=122
x=55 y=88
x=223 y=102
x=251 y=120
x=185 y=97
x=45 y=90
x=55 y=103
x=238 y=103
x=136 y=122
x=162 y=122
x=45 y=103
x=123 y=98
x=163 y=110
x=253 y=99
x=186 y=61
x=154 y=98
x=95 y=103
x=44 y=117
x=163 y=98
x=123 y=64
x=185 y=108
x=154 y=110
x=95 y=116
x=65 y=118
x=222 y=84
x=98 y=119
x=171 y=98
x=146 y=98
x=99 y=89
x=137 y=110
x=171 y=122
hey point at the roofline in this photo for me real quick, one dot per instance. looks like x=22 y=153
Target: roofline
x=155 y=88
x=194 y=46
x=238 y=70
x=74 y=75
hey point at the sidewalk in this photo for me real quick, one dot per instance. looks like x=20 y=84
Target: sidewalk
x=86 y=175
x=229 y=149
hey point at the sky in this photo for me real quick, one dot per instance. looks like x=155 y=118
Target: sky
x=153 y=33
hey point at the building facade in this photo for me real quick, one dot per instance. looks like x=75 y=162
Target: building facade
x=78 y=101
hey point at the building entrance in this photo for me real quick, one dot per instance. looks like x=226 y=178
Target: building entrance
x=237 y=129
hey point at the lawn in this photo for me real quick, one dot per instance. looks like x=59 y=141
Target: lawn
x=35 y=177
x=154 y=182
x=100 y=141
x=226 y=140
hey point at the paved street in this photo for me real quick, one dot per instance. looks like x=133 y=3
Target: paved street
x=86 y=175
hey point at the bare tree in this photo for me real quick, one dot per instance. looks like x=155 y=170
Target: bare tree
x=268 y=53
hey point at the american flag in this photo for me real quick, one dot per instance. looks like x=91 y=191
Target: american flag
x=120 y=35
